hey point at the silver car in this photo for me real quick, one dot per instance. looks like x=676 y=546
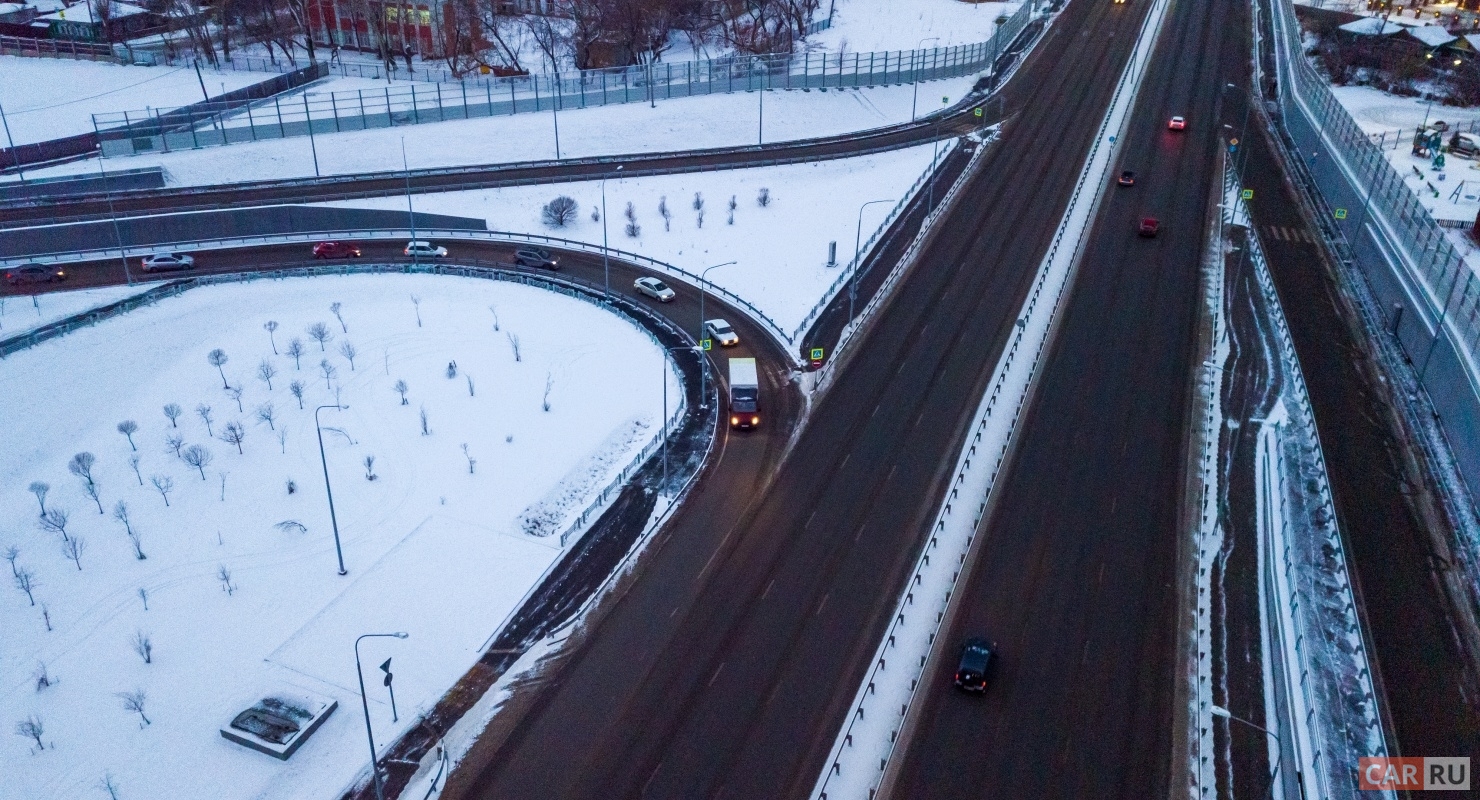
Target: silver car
x=420 y=248
x=162 y=262
x=721 y=332
x=654 y=288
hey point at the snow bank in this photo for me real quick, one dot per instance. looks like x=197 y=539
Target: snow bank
x=878 y=25
x=22 y=313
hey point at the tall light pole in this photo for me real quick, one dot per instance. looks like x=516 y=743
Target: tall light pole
x=555 y=113
x=117 y=231
x=760 y=130
x=704 y=281
x=606 y=264
x=410 y=214
x=916 y=70
x=334 y=521
x=1220 y=711
x=374 y=766
x=857 y=258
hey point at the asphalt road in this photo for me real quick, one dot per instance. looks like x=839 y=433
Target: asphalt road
x=727 y=667
x=1075 y=579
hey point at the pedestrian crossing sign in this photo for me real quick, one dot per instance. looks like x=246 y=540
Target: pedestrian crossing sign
x=1247 y=194
x=817 y=354
x=1341 y=213
x=707 y=344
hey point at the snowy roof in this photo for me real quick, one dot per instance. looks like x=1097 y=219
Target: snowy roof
x=1473 y=40
x=1432 y=35
x=1372 y=26
x=83 y=12
x=48 y=6
x=11 y=8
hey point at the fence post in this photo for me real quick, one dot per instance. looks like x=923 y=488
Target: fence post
x=390 y=116
x=415 y=115
x=282 y=133
x=334 y=106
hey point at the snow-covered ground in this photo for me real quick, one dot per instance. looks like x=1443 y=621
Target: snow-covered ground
x=781 y=249
x=22 y=313
x=432 y=547
x=48 y=98
x=878 y=25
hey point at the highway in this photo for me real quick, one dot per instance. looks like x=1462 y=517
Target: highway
x=727 y=666
x=1075 y=579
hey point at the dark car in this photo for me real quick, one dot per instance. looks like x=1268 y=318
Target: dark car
x=1127 y=178
x=976 y=660
x=336 y=250
x=34 y=273
x=535 y=257
x=1150 y=226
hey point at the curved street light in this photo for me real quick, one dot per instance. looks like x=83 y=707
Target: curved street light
x=703 y=282
x=1220 y=711
x=374 y=766
x=916 y=70
x=857 y=257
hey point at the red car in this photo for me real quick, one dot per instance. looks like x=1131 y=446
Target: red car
x=1150 y=226
x=1177 y=124
x=336 y=250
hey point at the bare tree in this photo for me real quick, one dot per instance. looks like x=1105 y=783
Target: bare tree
x=81 y=465
x=514 y=343
x=472 y=462
x=11 y=554
x=128 y=428
x=143 y=646
x=416 y=301
x=401 y=389
x=172 y=411
x=559 y=212
x=136 y=539
x=336 y=308
x=470 y=385
x=234 y=433
x=144 y=596
x=549 y=384
x=425 y=430
x=699 y=208
x=133 y=462
x=120 y=513
x=633 y=229
x=198 y=457
x=218 y=359
x=73 y=549
x=26 y=581
x=319 y=332
x=329 y=372
x=664 y=212
x=733 y=205
x=40 y=489
x=224 y=576
x=763 y=197
x=296 y=387
x=31 y=728
x=44 y=680
x=55 y=521
x=291 y=526
x=265 y=373
x=134 y=701
x=204 y=412
x=271 y=327
x=235 y=393
x=295 y=349
x=282 y=436
x=46 y=616
x=174 y=442
x=163 y=484
x=348 y=351
x=370 y=468
x=91 y=490
x=110 y=785
x=266 y=413
x=493 y=308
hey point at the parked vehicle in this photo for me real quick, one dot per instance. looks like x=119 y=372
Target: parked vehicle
x=535 y=257
x=34 y=273
x=1150 y=226
x=336 y=250
x=164 y=262
x=1466 y=145
x=745 y=392
x=420 y=248
x=721 y=332
x=654 y=288
x=971 y=669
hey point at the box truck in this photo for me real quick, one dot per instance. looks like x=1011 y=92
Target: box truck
x=745 y=392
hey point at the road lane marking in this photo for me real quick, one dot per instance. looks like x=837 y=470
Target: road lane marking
x=768 y=588
x=715 y=677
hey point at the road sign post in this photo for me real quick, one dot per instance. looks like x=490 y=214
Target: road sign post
x=386 y=668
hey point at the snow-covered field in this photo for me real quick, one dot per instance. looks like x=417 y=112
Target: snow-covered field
x=22 y=313
x=877 y=25
x=781 y=249
x=48 y=98
x=241 y=601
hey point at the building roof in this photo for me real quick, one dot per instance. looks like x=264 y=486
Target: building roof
x=1432 y=35
x=48 y=6
x=83 y=12
x=1372 y=26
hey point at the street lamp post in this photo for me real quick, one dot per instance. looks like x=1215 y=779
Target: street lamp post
x=365 y=704
x=1220 y=711
x=916 y=72
x=117 y=231
x=857 y=258
x=334 y=521
x=606 y=264
x=704 y=281
x=410 y=213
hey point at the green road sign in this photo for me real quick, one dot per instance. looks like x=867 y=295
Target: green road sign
x=1341 y=213
x=707 y=344
x=978 y=112
x=817 y=354
x=1247 y=194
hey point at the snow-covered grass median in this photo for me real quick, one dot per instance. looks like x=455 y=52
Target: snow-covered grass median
x=240 y=575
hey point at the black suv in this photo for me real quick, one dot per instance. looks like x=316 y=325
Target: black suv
x=535 y=257
x=976 y=660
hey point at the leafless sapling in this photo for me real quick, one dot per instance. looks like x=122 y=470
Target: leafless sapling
x=43 y=677
x=401 y=389
x=172 y=411
x=549 y=384
x=144 y=596
x=733 y=204
x=319 y=332
x=204 y=412
x=514 y=343
x=40 y=489
x=763 y=197
x=291 y=526
x=329 y=371
x=266 y=413
x=55 y=521
x=234 y=433
x=292 y=486
x=81 y=465
x=451 y=370
x=472 y=462
x=271 y=327
x=665 y=213
x=348 y=350
x=235 y=393
x=128 y=428
x=92 y=492
x=295 y=349
x=174 y=442
x=493 y=308
x=31 y=728
x=595 y=214
x=370 y=468
x=46 y=616
x=109 y=784
x=282 y=434
x=133 y=462
x=26 y=581
x=163 y=484
x=266 y=372
x=134 y=701
x=224 y=576
x=425 y=430
x=223 y=487
x=632 y=229
x=144 y=646
x=336 y=308
x=416 y=301
x=387 y=361
x=11 y=554
x=73 y=549
x=198 y=457
x=136 y=539
x=470 y=386
x=218 y=359
x=120 y=513
x=296 y=387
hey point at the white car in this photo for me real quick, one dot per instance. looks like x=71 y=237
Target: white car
x=420 y=248
x=654 y=288
x=720 y=331
x=161 y=262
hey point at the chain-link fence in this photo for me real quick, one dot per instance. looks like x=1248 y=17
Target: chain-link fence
x=202 y=125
